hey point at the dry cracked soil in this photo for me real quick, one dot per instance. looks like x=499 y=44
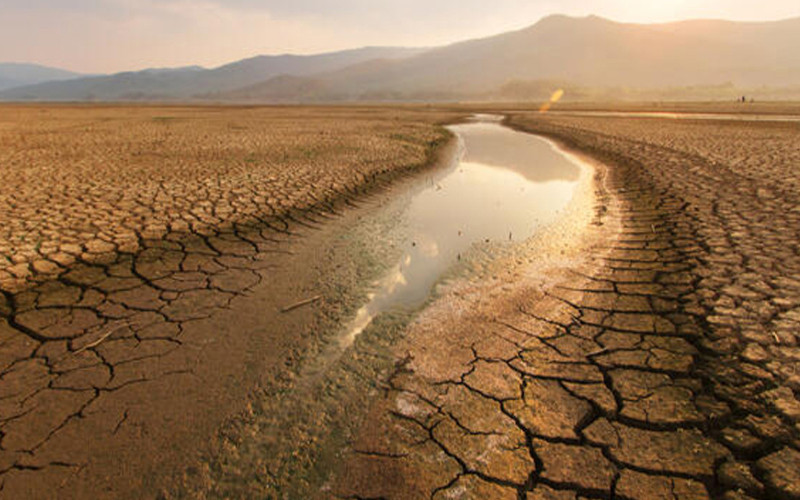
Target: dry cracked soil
x=136 y=246
x=662 y=363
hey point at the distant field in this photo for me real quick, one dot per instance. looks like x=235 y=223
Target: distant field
x=731 y=106
x=86 y=182
x=757 y=107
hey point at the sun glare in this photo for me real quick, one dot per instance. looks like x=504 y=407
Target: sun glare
x=554 y=98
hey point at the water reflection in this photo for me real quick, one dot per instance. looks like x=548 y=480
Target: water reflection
x=505 y=185
x=494 y=146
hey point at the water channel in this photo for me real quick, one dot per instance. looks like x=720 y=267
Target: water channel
x=500 y=188
x=496 y=190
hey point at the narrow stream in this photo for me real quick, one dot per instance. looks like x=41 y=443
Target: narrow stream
x=499 y=188
x=502 y=186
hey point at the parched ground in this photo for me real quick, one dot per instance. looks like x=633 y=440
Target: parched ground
x=665 y=365
x=145 y=253
x=83 y=183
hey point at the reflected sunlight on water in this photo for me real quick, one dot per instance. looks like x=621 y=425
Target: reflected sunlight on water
x=505 y=186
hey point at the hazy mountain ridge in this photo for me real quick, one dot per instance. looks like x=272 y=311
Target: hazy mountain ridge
x=185 y=83
x=588 y=52
x=20 y=74
x=592 y=56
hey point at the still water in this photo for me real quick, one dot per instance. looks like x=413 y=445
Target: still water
x=501 y=187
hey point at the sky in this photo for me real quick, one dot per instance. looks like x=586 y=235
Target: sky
x=105 y=36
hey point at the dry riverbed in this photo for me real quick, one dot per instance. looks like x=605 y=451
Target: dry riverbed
x=641 y=345
x=290 y=443
x=146 y=255
x=661 y=362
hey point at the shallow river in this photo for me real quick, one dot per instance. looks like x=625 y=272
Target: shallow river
x=498 y=188
x=501 y=187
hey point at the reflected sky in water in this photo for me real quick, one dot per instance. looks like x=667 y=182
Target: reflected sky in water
x=506 y=185
x=491 y=145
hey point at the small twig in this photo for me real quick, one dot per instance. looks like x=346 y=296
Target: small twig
x=301 y=303
x=100 y=340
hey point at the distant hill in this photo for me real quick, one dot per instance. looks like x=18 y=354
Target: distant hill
x=589 y=52
x=589 y=56
x=186 y=83
x=19 y=74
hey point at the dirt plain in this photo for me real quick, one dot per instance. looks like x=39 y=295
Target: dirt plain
x=132 y=238
x=82 y=183
x=657 y=359
x=661 y=363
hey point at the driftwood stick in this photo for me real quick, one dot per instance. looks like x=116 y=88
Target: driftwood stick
x=100 y=340
x=301 y=303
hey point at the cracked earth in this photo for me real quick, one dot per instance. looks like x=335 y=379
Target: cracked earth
x=135 y=248
x=663 y=364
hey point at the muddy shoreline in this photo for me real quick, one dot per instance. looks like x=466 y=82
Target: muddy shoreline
x=294 y=425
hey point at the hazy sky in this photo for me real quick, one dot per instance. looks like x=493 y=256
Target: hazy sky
x=116 y=35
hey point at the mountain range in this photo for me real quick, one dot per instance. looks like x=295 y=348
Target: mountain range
x=22 y=74
x=587 y=55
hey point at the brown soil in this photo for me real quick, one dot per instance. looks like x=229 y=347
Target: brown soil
x=145 y=256
x=85 y=183
x=645 y=348
x=658 y=360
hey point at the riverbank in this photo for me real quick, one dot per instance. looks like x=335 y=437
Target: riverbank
x=441 y=427
x=120 y=365
x=664 y=367
x=298 y=435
